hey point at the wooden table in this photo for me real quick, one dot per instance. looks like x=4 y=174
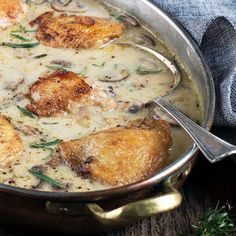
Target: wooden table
x=207 y=185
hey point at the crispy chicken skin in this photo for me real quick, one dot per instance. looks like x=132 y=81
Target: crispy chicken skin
x=11 y=12
x=10 y=142
x=119 y=156
x=51 y=94
x=75 y=31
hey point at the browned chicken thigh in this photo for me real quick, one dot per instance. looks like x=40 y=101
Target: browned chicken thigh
x=10 y=142
x=65 y=91
x=51 y=94
x=72 y=31
x=11 y=12
x=119 y=156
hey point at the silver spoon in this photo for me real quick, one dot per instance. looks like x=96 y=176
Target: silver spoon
x=214 y=148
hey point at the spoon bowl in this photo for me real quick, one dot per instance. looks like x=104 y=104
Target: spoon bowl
x=170 y=65
x=214 y=148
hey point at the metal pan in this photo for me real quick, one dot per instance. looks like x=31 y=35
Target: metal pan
x=92 y=212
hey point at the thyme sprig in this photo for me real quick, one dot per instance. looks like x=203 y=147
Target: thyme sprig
x=216 y=222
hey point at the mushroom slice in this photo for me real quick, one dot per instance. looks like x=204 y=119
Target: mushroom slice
x=39 y=2
x=119 y=156
x=11 y=12
x=72 y=31
x=10 y=143
x=68 y=6
x=118 y=74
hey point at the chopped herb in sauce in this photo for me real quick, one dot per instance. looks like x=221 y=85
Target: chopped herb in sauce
x=17 y=36
x=45 y=144
x=120 y=17
x=40 y=56
x=117 y=16
x=24 y=45
x=84 y=71
x=26 y=112
x=53 y=123
x=50 y=154
x=100 y=66
x=63 y=68
x=141 y=70
x=40 y=175
x=23 y=30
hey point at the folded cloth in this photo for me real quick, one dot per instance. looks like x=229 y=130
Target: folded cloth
x=212 y=24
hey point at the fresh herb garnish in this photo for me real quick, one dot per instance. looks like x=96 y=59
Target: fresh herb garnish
x=24 y=45
x=40 y=56
x=40 y=175
x=112 y=14
x=17 y=36
x=48 y=123
x=217 y=221
x=45 y=144
x=117 y=16
x=84 y=71
x=50 y=154
x=120 y=17
x=63 y=68
x=23 y=30
x=141 y=70
x=100 y=66
x=26 y=112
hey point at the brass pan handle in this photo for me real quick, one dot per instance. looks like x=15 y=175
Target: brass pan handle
x=137 y=210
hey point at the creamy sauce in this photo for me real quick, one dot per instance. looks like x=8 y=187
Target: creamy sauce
x=20 y=69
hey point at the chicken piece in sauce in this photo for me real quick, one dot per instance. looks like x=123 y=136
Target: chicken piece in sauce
x=11 y=12
x=119 y=156
x=10 y=142
x=73 y=31
x=65 y=91
x=51 y=94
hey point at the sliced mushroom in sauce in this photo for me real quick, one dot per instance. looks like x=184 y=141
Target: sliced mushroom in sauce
x=118 y=74
x=68 y=6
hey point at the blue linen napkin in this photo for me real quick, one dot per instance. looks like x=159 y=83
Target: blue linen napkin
x=212 y=24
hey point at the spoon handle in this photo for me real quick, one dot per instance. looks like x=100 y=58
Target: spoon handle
x=214 y=148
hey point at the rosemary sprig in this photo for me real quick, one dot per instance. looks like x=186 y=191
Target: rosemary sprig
x=26 y=112
x=45 y=144
x=141 y=70
x=17 y=36
x=20 y=45
x=216 y=222
x=40 y=175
